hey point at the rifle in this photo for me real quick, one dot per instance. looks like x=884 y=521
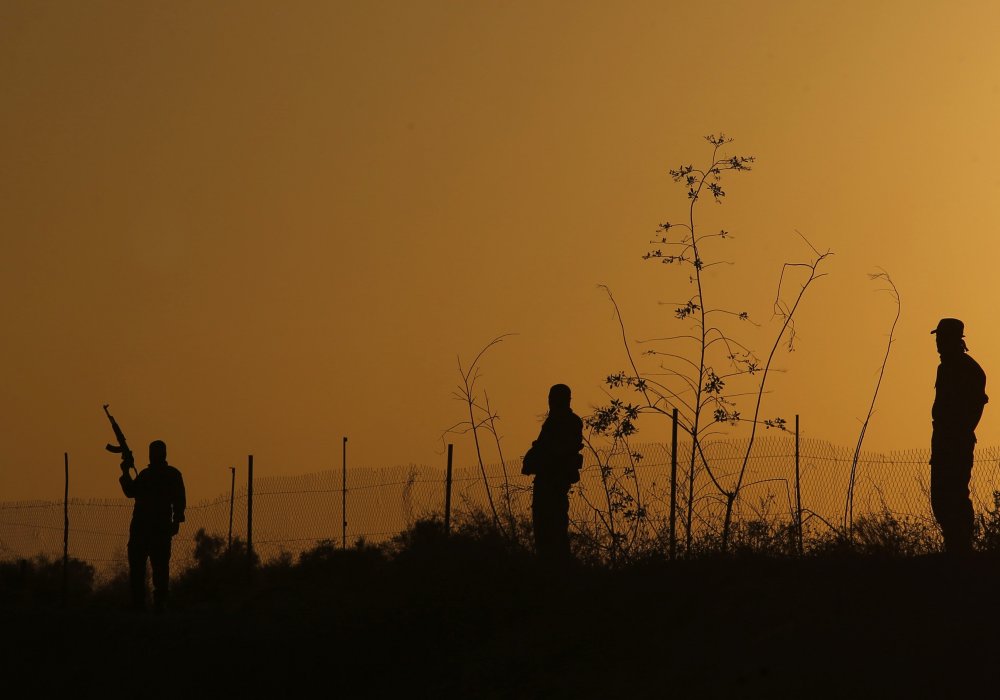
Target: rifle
x=128 y=461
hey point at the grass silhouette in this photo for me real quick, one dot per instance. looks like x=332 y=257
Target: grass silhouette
x=475 y=615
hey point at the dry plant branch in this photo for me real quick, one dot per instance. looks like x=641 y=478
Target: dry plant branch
x=481 y=416
x=882 y=276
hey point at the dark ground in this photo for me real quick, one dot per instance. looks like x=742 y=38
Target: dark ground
x=459 y=628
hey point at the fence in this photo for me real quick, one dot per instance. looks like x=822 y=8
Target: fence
x=293 y=514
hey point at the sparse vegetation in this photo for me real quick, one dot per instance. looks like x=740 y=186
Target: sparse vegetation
x=881 y=276
x=221 y=573
x=45 y=581
x=482 y=419
x=698 y=370
x=474 y=615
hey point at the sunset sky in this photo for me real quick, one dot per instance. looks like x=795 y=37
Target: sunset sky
x=258 y=227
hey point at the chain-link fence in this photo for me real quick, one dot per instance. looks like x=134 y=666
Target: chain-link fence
x=625 y=495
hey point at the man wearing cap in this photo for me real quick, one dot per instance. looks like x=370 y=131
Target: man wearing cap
x=959 y=398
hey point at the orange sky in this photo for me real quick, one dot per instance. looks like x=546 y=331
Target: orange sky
x=259 y=227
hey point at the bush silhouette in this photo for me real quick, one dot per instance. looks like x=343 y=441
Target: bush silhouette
x=45 y=581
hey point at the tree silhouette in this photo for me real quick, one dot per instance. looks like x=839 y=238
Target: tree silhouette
x=702 y=370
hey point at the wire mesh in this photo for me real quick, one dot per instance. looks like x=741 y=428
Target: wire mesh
x=292 y=514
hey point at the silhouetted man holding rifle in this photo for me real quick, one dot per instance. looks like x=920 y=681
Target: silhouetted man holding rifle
x=158 y=512
x=959 y=399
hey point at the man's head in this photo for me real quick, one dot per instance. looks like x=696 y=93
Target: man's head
x=948 y=335
x=157 y=453
x=559 y=396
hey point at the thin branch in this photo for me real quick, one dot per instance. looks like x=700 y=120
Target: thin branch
x=849 y=506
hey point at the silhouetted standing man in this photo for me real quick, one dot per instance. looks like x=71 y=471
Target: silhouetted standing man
x=556 y=466
x=959 y=398
x=158 y=491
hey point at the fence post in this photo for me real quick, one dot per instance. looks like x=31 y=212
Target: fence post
x=232 y=498
x=798 y=487
x=447 y=495
x=250 y=511
x=65 y=586
x=673 y=488
x=343 y=497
